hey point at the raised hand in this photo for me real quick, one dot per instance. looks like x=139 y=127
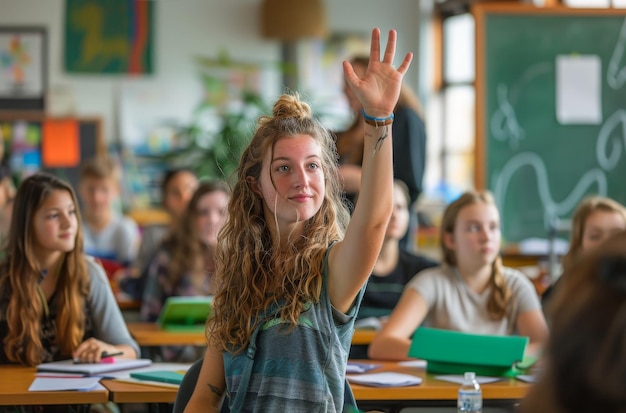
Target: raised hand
x=379 y=89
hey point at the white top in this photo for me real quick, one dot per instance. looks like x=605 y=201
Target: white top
x=452 y=305
x=118 y=241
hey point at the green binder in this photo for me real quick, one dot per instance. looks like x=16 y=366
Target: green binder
x=185 y=313
x=163 y=376
x=453 y=352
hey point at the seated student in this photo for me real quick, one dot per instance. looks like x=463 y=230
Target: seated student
x=395 y=267
x=596 y=218
x=184 y=264
x=585 y=358
x=177 y=188
x=471 y=292
x=55 y=303
x=111 y=237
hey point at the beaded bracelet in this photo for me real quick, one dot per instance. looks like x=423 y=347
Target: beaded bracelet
x=370 y=120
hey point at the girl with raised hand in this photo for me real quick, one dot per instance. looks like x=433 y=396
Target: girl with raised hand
x=290 y=268
x=472 y=292
x=55 y=303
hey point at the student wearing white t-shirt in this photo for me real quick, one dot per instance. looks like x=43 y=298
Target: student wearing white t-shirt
x=471 y=292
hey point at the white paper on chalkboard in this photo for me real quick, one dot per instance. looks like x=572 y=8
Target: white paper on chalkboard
x=578 y=89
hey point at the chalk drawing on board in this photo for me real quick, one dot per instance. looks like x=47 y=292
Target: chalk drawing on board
x=504 y=125
x=609 y=160
x=616 y=75
x=552 y=208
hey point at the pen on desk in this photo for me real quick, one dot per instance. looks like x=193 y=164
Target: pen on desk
x=104 y=357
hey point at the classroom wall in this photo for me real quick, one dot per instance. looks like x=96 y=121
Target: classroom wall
x=186 y=28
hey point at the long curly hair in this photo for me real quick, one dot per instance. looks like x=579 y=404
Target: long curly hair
x=251 y=273
x=587 y=207
x=186 y=250
x=20 y=276
x=500 y=297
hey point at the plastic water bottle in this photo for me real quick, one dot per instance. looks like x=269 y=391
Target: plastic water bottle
x=470 y=398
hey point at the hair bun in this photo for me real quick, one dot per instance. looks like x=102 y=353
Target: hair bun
x=290 y=106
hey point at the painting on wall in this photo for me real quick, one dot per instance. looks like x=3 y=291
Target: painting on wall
x=22 y=68
x=109 y=36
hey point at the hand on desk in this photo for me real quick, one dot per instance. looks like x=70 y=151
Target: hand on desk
x=91 y=350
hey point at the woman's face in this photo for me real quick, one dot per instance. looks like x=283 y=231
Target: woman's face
x=599 y=226
x=399 y=221
x=178 y=192
x=476 y=236
x=55 y=223
x=292 y=181
x=210 y=216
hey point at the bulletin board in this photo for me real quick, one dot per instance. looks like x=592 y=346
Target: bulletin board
x=57 y=145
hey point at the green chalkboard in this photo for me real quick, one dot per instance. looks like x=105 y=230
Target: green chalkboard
x=551 y=111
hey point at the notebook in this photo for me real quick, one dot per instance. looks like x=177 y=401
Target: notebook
x=453 y=352
x=164 y=376
x=185 y=313
x=68 y=366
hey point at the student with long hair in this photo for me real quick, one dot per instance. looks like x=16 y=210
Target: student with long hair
x=185 y=262
x=596 y=218
x=472 y=292
x=55 y=303
x=290 y=268
x=584 y=369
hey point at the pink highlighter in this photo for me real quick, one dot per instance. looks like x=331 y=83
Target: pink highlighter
x=109 y=358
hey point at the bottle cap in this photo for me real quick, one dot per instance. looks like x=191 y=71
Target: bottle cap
x=470 y=375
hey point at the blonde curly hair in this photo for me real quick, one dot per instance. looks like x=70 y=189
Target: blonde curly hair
x=251 y=272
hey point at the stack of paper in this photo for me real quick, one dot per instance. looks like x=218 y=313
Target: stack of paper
x=456 y=378
x=63 y=384
x=356 y=367
x=385 y=379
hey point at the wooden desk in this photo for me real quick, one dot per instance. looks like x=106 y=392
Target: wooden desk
x=15 y=381
x=432 y=391
x=150 y=335
x=122 y=392
x=363 y=336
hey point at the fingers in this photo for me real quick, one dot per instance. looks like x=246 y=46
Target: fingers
x=88 y=351
x=405 y=63
x=375 y=45
x=390 y=50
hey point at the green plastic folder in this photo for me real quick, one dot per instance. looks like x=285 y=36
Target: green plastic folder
x=453 y=352
x=185 y=313
x=163 y=376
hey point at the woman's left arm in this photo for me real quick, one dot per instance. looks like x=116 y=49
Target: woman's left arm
x=110 y=332
x=351 y=260
x=533 y=325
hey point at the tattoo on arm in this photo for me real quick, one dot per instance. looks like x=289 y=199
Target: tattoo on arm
x=381 y=139
x=215 y=389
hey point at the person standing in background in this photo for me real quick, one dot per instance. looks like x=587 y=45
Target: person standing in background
x=409 y=146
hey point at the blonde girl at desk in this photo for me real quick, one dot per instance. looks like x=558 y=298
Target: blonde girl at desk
x=55 y=303
x=291 y=265
x=471 y=292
